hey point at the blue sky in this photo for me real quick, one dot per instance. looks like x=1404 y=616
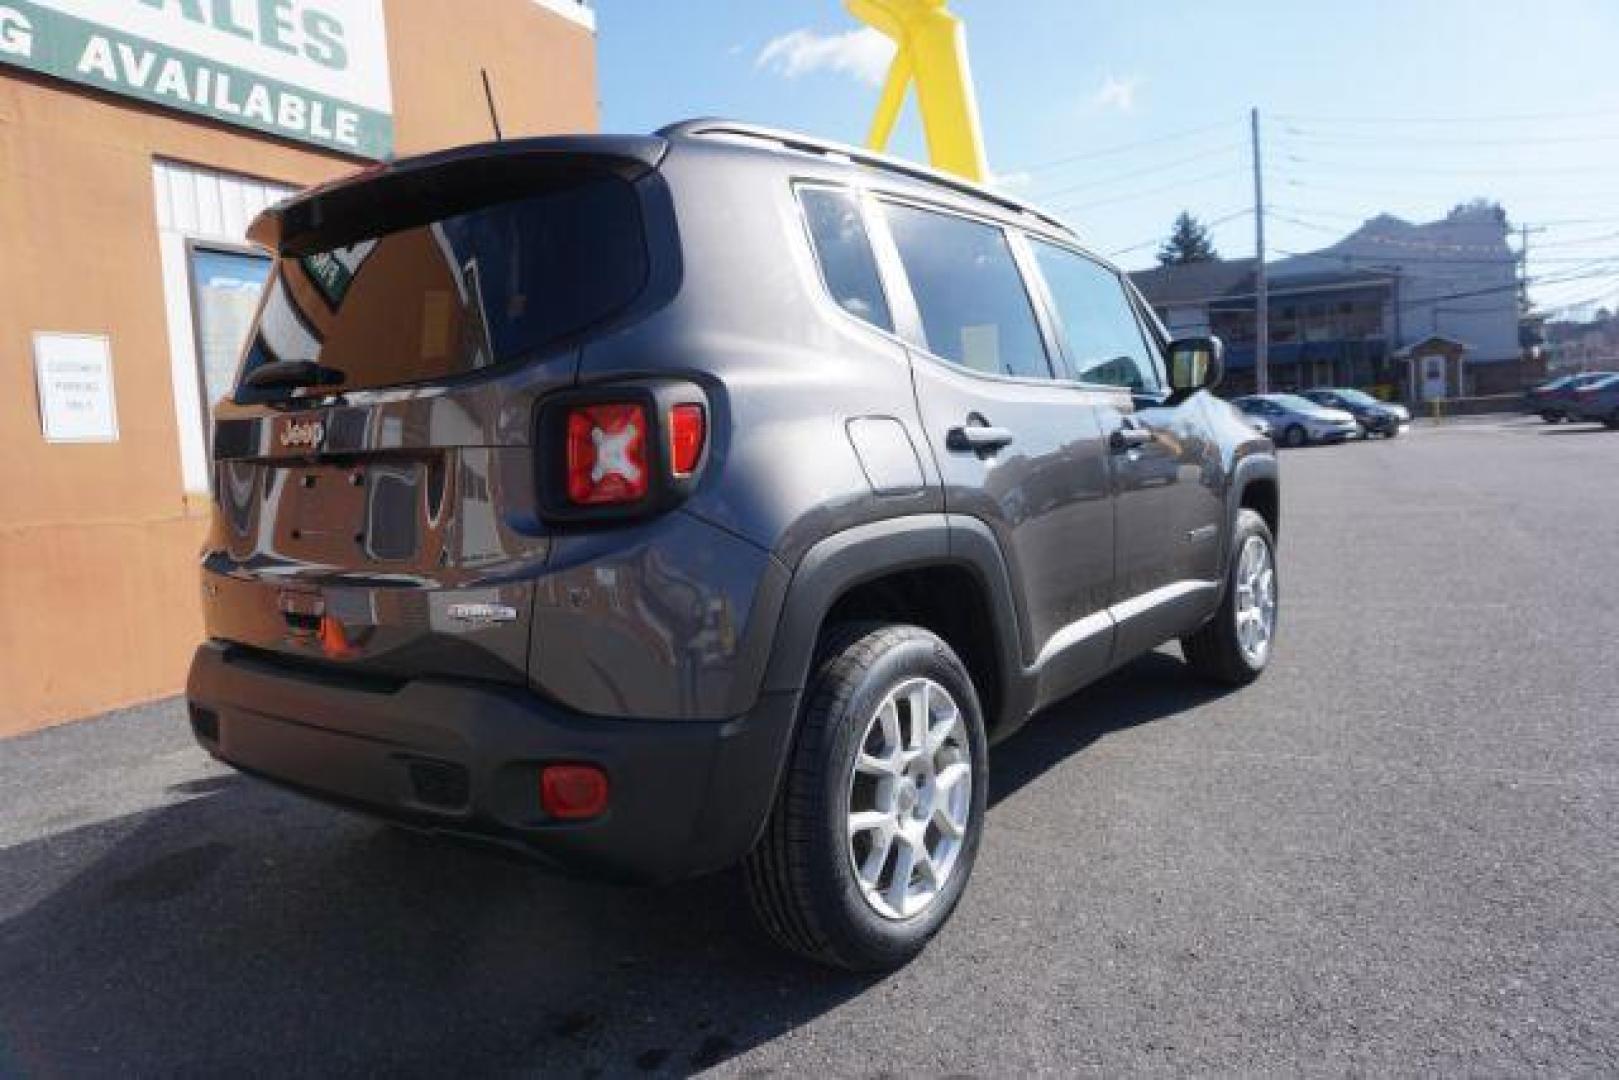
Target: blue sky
x=1118 y=115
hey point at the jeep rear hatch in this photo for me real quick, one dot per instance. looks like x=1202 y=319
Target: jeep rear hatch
x=374 y=469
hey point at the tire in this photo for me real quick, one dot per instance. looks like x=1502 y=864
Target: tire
x=1551 y=417
x=1217 y=651
x=801 y=877
x=1612 y=420
x=1295 y=436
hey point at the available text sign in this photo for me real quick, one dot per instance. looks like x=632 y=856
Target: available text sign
x=311 y=70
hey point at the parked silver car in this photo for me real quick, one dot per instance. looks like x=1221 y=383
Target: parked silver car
x=1597 y=401
x=1298 y=421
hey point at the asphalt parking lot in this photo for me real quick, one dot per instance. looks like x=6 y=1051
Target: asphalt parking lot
x=1399 y=852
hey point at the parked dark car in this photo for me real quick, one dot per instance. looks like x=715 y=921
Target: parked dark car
x=1552 y=401
x=650 y=505
x=1375 y=417
x=1597 y=401
x=1298 y=421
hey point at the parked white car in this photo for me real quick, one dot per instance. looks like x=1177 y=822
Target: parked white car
x=1298 y=421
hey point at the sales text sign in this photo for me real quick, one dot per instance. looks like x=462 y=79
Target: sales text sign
x=311 y=70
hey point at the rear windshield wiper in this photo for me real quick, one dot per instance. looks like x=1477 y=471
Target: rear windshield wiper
x=290 y=374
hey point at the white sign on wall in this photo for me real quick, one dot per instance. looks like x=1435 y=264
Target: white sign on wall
x=311 y=70
x=76 y=400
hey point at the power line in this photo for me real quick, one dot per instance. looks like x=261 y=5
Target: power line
x=1211 y=224
x=1512 y=287
x=1504 y=118
x=1404 y=170
x=1506 y=258
x=1134 y=173
x=1540 y=223
x=1179 y=184
x=1282 y=288
x=1426 y=139
x=1120 y=148
x=1406 y=193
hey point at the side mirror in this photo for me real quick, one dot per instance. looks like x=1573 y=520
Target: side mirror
x=1195 y=363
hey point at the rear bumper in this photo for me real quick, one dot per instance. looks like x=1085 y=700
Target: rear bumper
x=463 y=758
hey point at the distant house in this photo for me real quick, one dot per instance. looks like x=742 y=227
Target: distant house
x=1349 y=314
x=1592 y=345
x=1330 y=328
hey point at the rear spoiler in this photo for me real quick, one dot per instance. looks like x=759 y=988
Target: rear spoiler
x=413 y=191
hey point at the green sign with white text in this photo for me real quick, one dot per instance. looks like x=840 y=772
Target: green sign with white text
x=315 y=71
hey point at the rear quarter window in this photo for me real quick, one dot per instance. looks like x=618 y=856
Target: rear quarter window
x=492 y=286
x=843 y=254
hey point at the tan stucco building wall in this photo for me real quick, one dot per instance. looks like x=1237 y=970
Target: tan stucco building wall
x=98 y=542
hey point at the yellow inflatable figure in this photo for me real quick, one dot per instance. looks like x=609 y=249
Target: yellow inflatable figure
x=933 y=52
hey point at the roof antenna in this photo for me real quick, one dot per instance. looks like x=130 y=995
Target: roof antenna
x=489 y=96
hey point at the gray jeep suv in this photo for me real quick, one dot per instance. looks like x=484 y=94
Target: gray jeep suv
x=653 y=505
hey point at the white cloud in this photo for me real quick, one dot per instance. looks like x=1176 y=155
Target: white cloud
x=1117 y=94
x=863 y=54
x=1011 y=181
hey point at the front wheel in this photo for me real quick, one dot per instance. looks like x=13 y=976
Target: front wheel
x=1613 y=420
x=1234 y=647
x=877 y=824
x=1295 y=436
x=1551 y=417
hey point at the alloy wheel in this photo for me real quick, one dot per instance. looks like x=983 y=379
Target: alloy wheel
x=910 y=799
x=1256 y=600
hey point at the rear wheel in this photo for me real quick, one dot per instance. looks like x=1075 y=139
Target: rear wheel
x=1613 y=419
x=1234 y=647
x=1295 y=436
x=877 y=825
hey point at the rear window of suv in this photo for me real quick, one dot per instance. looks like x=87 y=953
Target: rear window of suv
x=494 y=285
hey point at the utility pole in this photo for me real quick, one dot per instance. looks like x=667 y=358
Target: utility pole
x=1523 y=264
x=1261 y=293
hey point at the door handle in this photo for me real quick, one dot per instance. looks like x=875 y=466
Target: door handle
x=979 y=438
x=1125 y=439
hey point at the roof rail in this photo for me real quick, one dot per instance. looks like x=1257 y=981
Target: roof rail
x=793 y=140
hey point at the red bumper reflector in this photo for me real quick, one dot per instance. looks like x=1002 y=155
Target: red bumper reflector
x=573 y=792
x=687 y=430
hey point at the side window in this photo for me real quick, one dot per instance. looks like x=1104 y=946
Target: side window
x=974 y=306
x=1105 y=340
x=843 y=252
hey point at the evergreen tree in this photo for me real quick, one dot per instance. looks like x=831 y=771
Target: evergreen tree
x=1188 y=243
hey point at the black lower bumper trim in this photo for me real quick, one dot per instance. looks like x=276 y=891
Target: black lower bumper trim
x=686 y=796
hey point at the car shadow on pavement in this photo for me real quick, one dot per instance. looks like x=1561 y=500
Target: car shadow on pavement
x=246 y=930
x=1581 y=428
x=1156 y=686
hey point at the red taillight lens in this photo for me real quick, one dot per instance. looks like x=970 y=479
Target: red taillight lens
x=688 y=428
x=607 y=460
x=573 y=792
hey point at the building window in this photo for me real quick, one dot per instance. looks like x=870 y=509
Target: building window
x=210 y=281
x=225 y=290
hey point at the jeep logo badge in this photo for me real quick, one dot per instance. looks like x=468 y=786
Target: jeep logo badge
x=306 y=434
